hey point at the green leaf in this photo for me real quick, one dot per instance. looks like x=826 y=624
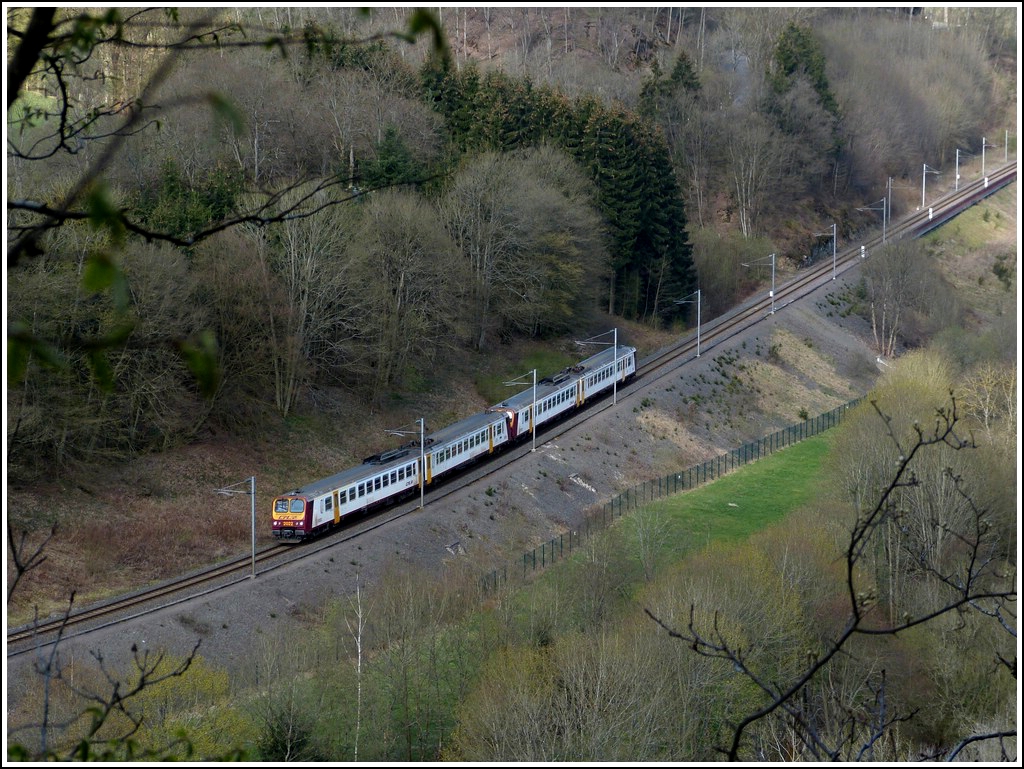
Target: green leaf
x=17 y=752
x=201 y=358
x=224 y=110
x=102 y=273
x=17 y=360
x=103 y=214
x=101 y=370
x=422 y=20
x=22 y=345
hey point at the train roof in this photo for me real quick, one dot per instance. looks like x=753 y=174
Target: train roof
x=557 y=382
x=460 y=429
x=381 y=463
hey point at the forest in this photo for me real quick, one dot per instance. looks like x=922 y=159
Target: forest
x=216 y=218
x=298 y=221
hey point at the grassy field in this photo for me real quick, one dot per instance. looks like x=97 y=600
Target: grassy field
x=735 y=506
x=727 y=510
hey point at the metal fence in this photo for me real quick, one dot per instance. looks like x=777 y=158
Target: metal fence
x=643 y=493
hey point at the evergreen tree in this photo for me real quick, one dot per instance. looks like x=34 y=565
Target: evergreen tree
x=394 y=164
x=798 y=53
x=637 y=193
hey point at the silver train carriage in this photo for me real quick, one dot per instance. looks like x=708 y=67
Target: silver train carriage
x=382 y=478
x=567 y=390
x=319 y=506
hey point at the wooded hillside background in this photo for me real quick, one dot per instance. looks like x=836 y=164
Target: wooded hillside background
x=211 y=212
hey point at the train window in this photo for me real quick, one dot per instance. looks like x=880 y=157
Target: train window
x=401 y=473
x=280 y=505
x=384 y=481
x=298 y=506
x=362 y=490
x=394 y=476
x=328 y=504
x=376 y=484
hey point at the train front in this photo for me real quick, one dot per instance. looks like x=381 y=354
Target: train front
x=291 y=517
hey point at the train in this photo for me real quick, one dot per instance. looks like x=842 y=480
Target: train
x=384 y=478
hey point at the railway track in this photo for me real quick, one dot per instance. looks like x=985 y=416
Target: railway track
x=79 y=622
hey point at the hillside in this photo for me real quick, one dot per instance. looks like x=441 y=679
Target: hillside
x=809 y=356
x=132 y=511
x=610 y=50
x=807 y=359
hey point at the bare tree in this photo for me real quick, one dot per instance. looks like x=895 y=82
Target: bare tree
x=990 y=397
x=755 y=159
x=648 y=528
x=103 y=726
x=310 y=294
x=896 y=278
x=976 y=580
x=527 y=232
x=53 y=52
x=357 y=628
x=409 y=270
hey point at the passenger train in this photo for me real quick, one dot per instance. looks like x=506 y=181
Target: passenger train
x=321 y=505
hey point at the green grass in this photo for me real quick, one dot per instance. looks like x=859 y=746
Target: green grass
x=975 y=227
x=727 y=510
x=735 y=506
